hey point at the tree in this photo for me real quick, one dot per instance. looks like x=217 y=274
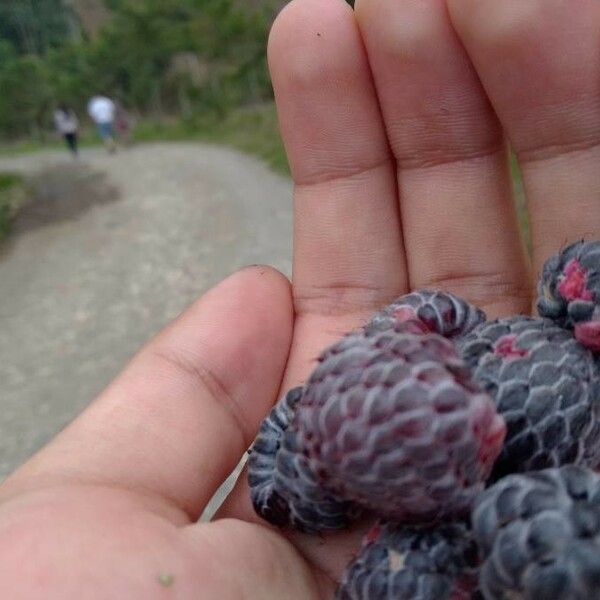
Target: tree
x=35 y=26
x=26 y=96
x=157 y=56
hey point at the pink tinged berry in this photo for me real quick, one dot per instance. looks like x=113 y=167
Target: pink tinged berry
x=549 y=396
x=404 y=313
x=507 y=347
x=428 y=322
x=373 y=534
x=429 y=435
x=588 y=335
x=574 y=283
x=437 y=312
x=408 y=317
x=414 y=564
x=493 y=442
x=569 y=288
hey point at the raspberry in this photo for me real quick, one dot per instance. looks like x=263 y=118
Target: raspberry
x=391 y=403
x=539 y=534
x=547 y=388
x=283 y=491
x=440 y=312
x=392 y=421
x=397 y=563
x=569 y=291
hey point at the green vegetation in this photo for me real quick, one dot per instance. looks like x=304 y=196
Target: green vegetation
x=157 y=57
x=520 y=201
x=189 y=69
x=251 y=129
x=34 y=27
x=12 y=194
x=254 y=131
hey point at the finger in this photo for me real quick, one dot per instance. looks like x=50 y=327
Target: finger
x=178 y=419
x=455 y=188
x=539 y=61
x=348 y=254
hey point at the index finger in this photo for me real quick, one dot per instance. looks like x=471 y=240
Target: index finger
x=348 y=251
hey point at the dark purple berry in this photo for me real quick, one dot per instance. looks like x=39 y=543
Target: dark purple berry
x=392 y=421
x=569 y=291
x=399 y=563
x=547 y=388
x=539 y=535
x=440 y=312
x=283 y=489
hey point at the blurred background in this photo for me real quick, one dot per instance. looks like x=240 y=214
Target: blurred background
x=109 y=230
x=140 y=163
x=179 y=66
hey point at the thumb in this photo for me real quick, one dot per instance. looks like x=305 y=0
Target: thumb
x=176 y=422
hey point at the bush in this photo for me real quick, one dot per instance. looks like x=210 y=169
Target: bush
x=25 y=97
x=135 y=59
x=12 y=196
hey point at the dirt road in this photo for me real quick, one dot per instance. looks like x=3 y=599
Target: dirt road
x=110 y=250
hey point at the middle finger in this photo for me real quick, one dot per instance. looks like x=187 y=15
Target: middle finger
x=458 y=216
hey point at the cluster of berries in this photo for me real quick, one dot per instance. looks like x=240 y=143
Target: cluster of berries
x=470 y=442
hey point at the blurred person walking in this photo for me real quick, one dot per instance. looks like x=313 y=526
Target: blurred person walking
x=102 y=111
x=124 y=124
x=67 y=125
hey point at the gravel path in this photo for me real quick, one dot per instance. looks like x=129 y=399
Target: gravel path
x=111 y=249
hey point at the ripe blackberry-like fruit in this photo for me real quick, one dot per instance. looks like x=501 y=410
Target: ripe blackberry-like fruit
x=569 y=291
x=440 y=312
x=539 y=534
x=547 y=388
x=283 y=491
x=391 y=421
x=400 y=563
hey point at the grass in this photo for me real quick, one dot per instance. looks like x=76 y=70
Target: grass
x=520 y=202
x=87 y=139
x=12 y=195
x=253 y=130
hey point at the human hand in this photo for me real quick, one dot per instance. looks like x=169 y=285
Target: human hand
x=401 y=182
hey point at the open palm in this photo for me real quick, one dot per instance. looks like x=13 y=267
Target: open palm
x=396 y=119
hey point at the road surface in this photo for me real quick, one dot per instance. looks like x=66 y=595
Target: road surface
x=110 y=249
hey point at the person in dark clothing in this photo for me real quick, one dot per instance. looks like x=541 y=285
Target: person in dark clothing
x=67 y=125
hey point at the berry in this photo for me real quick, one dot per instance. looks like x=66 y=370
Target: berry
x=440 y=312
x=392 y=421
x=547 y=388
x=282 y=490
x=398 y=563
x=539 y=535
x=569 y=291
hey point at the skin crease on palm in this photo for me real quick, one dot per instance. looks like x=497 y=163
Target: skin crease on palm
x=396 y=119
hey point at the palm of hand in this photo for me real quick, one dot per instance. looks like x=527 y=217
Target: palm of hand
x=401 y=181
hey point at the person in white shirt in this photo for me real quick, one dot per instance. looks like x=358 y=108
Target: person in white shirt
x=67 y=125
x=102 y=110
